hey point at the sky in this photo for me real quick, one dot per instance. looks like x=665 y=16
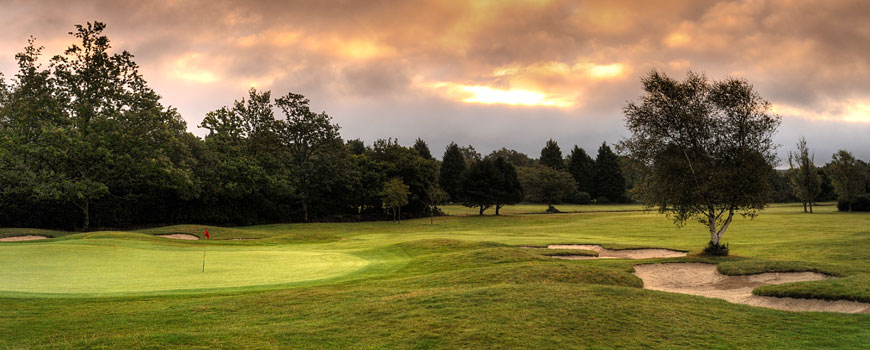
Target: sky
x=492 y=74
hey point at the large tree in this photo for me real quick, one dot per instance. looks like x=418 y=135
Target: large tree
x=582 y=169
x=608 y=178
x=422 y=149
x=551 y=155
x=803 y=175
x=506 y=185
x=477 y=185
x=453 y=165
x=706 y=145
x=89 y=128
x=848 y=176
x=311 y=139
x=545 y=184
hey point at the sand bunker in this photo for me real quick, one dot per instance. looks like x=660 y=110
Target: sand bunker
x=604 y=253
x=705 y=280
x=22 y=238
x=180 y=236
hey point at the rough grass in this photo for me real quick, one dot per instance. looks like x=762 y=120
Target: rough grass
x=460 y=283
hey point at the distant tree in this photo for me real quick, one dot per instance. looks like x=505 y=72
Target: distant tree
x=478 y=185
x=551 y=156
x=395 y=196
x=781 y=188
x=453 y=165
x=804 y=177
x=356 y=147
x=422 y=149
x=827 y=192
x=848 y=177
x=582 y=169
x=506 y=185
x=518 y=159
x=470 y=154
x=608 y=178
x=545 y=184
x=436 y=196
x=705 y=145
x=404 y=163
x=308 y=137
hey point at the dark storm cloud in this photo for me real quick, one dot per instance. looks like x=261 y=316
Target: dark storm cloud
x=387 y=68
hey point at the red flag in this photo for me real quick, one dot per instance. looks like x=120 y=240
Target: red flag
x=206 y=233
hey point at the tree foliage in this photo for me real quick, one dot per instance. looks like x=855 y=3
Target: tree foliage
x=395 y=196
x=582 y=169
x=849 y=177
x=545 y=184
x=608 y=178
x=551 y=156
x=803 y=175
x=453 y=165
x=705 y=145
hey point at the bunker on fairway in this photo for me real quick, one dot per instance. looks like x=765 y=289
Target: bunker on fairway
x=604 y=253
x=705 y=280
x=122 y=266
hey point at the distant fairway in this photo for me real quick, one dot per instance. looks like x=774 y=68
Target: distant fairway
x=130 y=265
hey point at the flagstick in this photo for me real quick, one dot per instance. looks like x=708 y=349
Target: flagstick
x=203 y=257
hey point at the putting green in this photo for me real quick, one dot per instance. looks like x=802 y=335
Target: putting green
x=98 y=266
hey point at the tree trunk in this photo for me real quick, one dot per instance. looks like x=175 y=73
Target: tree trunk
x=305 y=209
x=87 y=216
x=714 y=239
x=716 y=235
x=431 y=215
x=481 y=210
x=811 y=207
x=805 y=207
x=497 y=207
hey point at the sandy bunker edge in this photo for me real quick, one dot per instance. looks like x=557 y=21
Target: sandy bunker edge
x=705 y=280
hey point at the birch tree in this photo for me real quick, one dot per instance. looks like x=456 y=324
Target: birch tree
x=706 y=149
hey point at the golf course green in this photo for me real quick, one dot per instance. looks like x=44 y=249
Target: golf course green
x=460 y=282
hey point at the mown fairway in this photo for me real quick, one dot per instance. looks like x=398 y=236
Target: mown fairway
x=460 y=283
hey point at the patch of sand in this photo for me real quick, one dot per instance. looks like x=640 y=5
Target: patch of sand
x=604 y=253
x=22 y=238
x=705 y=280
x=180 y=236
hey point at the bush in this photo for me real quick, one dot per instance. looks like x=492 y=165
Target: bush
x=625 y=199
x=602 y=200
x=582 y=198
x=715 y=249
x=860 y=204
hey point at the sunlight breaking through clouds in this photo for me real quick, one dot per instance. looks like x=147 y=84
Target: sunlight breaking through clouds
x=488 y=95
x=848 y=111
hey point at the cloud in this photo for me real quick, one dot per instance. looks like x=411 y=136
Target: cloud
x=452 y=69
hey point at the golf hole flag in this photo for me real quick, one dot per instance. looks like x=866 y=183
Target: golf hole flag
x=203 y=249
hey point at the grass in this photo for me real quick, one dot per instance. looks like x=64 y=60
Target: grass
x=460 y=283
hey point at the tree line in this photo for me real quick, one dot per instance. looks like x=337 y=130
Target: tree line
x=84 y=141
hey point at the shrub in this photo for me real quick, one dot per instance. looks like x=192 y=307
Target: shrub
x=602 y=200
x=624 y=198
x=713 y=249
x=860 y=204
x=582 y=198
